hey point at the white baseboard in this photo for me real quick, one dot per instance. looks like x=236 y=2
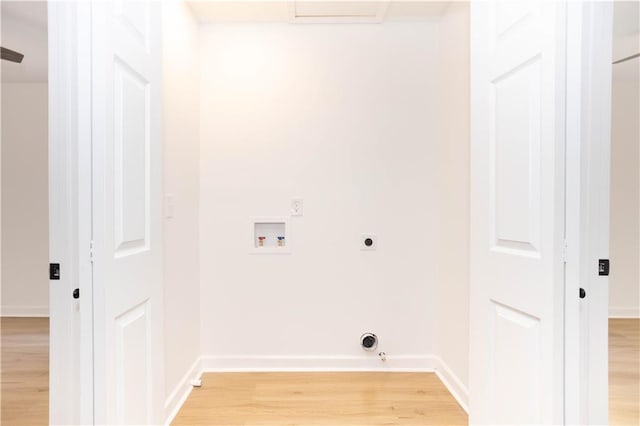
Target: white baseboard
x=24 y=311
x=453 y=384
x=618 y=312
x=181 y=392
x=211 y=364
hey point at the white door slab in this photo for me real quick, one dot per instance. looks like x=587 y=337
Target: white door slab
x=517 y=212
x=127 y=164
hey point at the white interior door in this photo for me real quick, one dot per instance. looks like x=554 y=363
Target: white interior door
x=517 y=211
x=127 y=170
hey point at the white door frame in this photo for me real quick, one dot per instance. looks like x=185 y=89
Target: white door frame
x=71 y=333
x=587 y=134
x=74 y=381
x=588 y=130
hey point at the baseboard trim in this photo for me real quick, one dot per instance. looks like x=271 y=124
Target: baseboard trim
x=24 y=311
x=213 y=364
x=181 y=392
x=618 y=312
x=453 y=384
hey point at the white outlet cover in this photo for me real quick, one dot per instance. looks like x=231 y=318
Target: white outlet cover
x=168 y=206
x=297 y=206
x=363 y=242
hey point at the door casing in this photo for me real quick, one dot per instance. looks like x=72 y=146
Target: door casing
x=589 y=57
x=71 y=321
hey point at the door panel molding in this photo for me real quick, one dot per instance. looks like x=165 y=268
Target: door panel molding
x=127 y=212
x=517 y=212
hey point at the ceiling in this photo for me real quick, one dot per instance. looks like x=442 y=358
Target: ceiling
x=626 y=30
x=316 y=11
x=626 y=17
x=24 y=29
x=24 y=23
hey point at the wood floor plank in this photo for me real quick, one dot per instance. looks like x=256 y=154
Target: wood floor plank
x=321 y=399
x=24 y=371
x=624 y=372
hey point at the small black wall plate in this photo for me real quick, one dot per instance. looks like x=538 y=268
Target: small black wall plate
x=603 y=267
x=54 y=271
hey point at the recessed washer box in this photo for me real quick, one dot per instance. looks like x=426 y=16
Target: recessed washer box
x=270 y=235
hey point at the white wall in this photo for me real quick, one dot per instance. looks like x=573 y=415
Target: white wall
x=624 y=281
x=181 y=135
x=25 y=218
x=346 y=117
x=453 y=259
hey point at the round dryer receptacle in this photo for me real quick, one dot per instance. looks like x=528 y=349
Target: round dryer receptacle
x=369 y=341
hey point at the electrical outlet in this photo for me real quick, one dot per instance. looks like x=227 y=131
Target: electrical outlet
x=368 y=242
x=168 y=206
x=296 y=207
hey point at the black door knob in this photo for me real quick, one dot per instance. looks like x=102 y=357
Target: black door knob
x=583 y=293
x=76 y=293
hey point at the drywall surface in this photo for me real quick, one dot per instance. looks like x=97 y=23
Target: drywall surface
x=453 y=259
x=346 y=118
x=25 y=200
x=624 y=280
x=181 y=179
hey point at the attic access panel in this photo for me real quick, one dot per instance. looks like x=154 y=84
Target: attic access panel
x=338 y=12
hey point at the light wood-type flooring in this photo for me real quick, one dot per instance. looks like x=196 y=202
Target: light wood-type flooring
x=321 y=399
x=297 y=398
x=624 y=372
x=25 y=371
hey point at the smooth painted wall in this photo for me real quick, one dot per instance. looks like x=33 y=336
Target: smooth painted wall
x=346 y=117
x=624 y=247
x=453 y=259
x=181 y=134
x=25 y=200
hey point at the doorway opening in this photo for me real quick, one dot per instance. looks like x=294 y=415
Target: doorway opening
x=624 y=241
x=25 y=214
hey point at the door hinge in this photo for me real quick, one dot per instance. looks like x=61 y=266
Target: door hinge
x=91 y=251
